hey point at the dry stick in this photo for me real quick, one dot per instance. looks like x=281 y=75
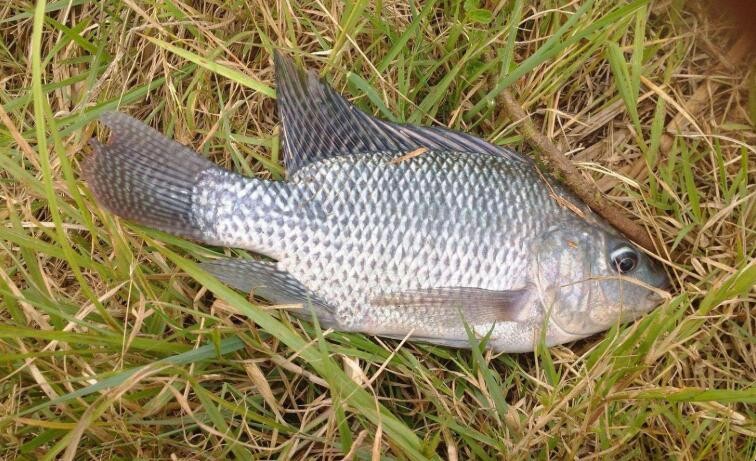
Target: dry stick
x=556 y=161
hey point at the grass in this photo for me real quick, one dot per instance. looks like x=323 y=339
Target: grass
x=113 y=344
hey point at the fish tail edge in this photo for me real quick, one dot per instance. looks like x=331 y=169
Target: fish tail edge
x=145 y=177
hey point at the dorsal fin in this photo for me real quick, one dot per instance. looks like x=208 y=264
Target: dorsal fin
x=317 y=123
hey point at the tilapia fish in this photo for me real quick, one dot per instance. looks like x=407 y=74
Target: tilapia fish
x=387 y=229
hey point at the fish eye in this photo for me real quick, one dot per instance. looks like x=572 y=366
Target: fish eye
x=624 y=259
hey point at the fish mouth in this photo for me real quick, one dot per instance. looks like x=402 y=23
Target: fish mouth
x=662 y=292
x=654 y=298
x=666 y=284
x=660 y=278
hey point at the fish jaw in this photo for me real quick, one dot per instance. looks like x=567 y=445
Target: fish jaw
x=525 y=337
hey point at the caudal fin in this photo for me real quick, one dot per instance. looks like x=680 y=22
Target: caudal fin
x=145 y=177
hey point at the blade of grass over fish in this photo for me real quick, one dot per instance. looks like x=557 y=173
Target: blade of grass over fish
x=215 y=67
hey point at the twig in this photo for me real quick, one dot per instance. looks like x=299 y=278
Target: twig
x=409 y=155
x=556 y=161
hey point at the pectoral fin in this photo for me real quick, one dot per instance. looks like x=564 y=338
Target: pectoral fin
x=439 y=308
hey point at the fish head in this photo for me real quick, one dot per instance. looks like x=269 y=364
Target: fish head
x=590 y=278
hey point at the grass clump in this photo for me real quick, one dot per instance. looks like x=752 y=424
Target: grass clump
x=113 y=344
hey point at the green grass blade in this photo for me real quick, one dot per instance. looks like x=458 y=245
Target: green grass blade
x=212 y=66
x=206 y=352
x=340 y=384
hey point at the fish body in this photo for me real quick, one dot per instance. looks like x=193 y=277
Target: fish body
x=373 y=240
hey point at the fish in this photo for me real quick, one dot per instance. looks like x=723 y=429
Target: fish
x=387 y=229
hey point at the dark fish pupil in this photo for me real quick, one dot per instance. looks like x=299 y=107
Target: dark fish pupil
x=626 y=262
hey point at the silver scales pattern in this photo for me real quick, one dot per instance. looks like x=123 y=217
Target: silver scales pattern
x=353 y=227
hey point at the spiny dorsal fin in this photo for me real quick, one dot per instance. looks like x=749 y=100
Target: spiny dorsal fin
x=318 y=123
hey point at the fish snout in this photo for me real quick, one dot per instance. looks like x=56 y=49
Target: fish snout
x=658 y=276
x=662 y=282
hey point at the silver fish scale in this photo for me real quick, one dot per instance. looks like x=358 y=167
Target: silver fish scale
x=353 y=227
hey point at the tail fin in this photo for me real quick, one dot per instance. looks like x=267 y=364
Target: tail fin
x=143 y=176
